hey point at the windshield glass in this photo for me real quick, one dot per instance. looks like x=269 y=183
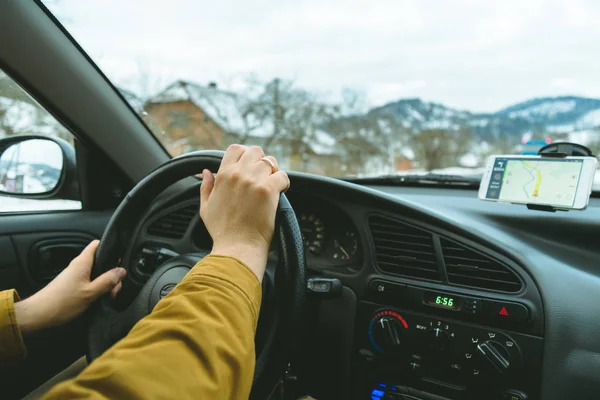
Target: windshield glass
x=349 y=88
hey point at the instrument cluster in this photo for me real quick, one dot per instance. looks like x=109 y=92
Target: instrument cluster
x=330 y=238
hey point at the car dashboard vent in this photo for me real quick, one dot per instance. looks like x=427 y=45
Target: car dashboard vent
x=174 y=224
x=467 y=267
x=403 y=249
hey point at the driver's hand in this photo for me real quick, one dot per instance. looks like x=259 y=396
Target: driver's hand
x=239 y=206
x=68 y=295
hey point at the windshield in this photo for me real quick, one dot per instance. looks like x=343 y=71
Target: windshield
x=349 y=88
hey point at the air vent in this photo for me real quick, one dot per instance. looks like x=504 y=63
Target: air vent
x=403 y=249
x=175 y=224
x=468 y=267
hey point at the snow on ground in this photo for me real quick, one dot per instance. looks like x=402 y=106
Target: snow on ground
x=407 y=152
x=561 y=128
x=415 y=114
x=324 y=138
x=14 y=204
x=591 y=119
x=584 y=137
x=480 y=122
x=469 y=160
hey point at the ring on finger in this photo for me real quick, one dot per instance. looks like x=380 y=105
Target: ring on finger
x=273 y=166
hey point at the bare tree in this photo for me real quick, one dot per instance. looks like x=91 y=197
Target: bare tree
x=439 y=148
x=22 y=115
x=278 y=112
x=362 y=138
x=501 y=145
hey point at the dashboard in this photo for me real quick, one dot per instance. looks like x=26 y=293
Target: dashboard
x=444 y=296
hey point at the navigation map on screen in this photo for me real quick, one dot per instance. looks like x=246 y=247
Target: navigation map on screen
x=527 y=180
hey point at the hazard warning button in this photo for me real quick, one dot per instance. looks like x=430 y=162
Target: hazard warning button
x=502 y=311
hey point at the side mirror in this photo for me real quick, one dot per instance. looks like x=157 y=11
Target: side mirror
x=38 y=167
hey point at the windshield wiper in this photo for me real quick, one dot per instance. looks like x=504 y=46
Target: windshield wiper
x=418 y=180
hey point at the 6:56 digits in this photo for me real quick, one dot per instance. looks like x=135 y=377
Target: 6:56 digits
x=445 y=301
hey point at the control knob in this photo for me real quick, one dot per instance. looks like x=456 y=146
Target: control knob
x=439 y=337
x=495 y=354
x=386 y=331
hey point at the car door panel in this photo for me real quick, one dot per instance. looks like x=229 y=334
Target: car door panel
x=34 y=248
x=80 y=221
x=45 y=255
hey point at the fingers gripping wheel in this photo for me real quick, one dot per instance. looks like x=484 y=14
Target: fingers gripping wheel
x=283 y=323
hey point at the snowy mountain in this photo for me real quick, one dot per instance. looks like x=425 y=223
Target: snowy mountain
x=418 y=115
x=563 y=114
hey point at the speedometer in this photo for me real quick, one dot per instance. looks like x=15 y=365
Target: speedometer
x=345 y=246
x=313 y=233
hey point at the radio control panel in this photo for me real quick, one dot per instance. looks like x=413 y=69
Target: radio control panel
x=444 y=356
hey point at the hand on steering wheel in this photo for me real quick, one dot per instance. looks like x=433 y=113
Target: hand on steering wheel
x=243 y=229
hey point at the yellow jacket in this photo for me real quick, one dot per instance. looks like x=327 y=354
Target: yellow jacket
x=198 y=342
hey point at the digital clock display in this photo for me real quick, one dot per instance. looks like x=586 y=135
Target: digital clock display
x=443 y=300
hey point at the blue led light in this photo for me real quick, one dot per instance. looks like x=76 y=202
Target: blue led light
x=373 y=340
x=393 y=388
x=375 y=398
x=382 y=385
x=377 y=392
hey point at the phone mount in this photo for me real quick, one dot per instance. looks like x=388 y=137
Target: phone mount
x=560 y=150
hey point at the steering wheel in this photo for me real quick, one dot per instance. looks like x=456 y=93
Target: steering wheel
x=281 y=318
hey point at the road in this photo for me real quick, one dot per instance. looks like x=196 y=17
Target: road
x=527 y=168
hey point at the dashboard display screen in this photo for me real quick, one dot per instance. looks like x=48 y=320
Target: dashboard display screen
x=532 y=180
x=443 y=300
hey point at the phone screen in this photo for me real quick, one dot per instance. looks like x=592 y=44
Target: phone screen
x=527 y=180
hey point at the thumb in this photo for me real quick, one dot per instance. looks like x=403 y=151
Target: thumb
x=208 y=183
x=85 y=260
x=106 y=282
x=88 y=253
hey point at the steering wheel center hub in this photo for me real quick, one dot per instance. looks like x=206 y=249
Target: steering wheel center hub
x=166 y=283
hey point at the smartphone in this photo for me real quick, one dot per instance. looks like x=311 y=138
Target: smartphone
x=564 y=183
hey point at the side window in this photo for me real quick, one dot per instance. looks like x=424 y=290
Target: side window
x=33 y=172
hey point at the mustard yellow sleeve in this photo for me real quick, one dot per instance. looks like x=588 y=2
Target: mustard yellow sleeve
x=198 y=343
x=12 y=348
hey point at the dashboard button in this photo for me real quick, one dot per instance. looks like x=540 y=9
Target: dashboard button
x=379 y=287
x=367 y=356
x=415 y=366
x=471 y=306
x=503 y=311
x=454 y=372
x=514 y=395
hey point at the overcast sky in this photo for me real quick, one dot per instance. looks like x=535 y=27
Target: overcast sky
x=480 y=55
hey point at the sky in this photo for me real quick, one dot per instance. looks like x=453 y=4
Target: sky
x=470 y=54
